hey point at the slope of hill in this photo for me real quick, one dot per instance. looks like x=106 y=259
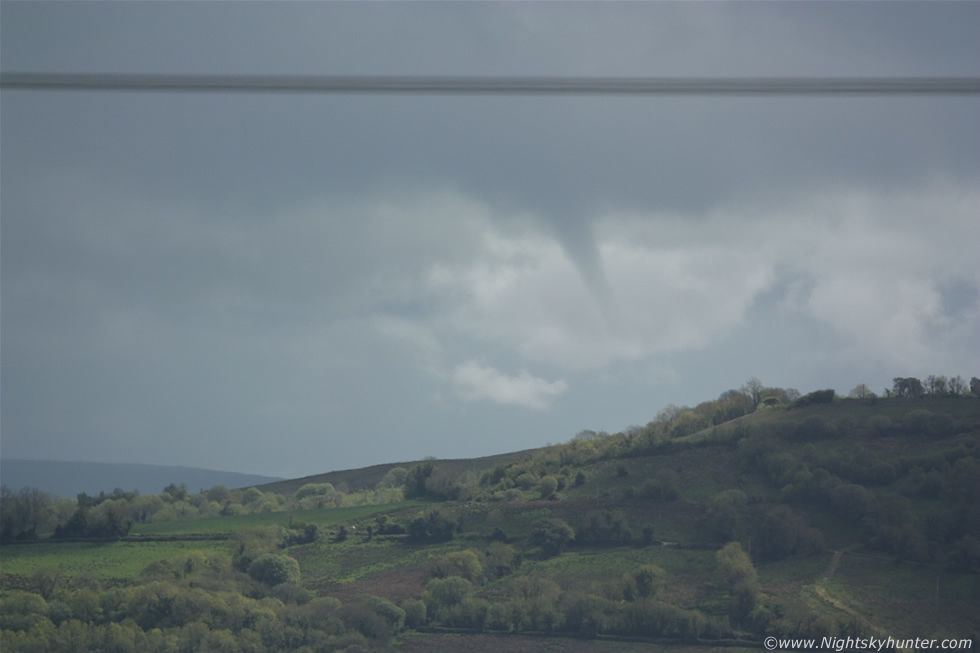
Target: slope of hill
x=835 y=518
x=367 y=477
x=68 y=479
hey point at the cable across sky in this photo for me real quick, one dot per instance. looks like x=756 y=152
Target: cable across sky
x=472 y=85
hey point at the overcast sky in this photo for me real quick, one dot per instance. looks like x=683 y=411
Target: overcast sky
x=292 y=284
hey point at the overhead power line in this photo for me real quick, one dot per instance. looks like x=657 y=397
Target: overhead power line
x=493 y=85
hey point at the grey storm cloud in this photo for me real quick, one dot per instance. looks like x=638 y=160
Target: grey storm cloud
x=191 y=278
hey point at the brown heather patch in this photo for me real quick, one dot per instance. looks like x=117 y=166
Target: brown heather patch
x=396 y=585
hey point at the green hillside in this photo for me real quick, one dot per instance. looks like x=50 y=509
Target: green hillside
x=810 y=516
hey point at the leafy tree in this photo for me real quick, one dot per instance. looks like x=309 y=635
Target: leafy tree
x=174 y=492
x=374 y=616
x=416 y=478
x=500 y=559
x=547 y=487
x=779 y=532
x=23 y=512
x=274 y=568
x=47 y=580
x=937 y=386
x=743 y=582
x=315 y=489
x=395 y=477
x=753 y=388
x=975 y=386
x=552 y=535
x=465 y=564
x=443 y=593
x=957 y=386
x=252 y=495
x=861 y=391
x=588 y=614
x=442 y=485
x=644 y=582
x=435 y=528
x=907 y=387
x=726 y=516
x=415 y=612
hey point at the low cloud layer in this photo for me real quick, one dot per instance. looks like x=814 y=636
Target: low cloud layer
x=474 y=381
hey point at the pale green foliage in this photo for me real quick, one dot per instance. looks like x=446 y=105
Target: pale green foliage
x=443 y=593
x=547 y=486
x=552 y=535
x=743 y=582
x=251 y=495
x=465 y=564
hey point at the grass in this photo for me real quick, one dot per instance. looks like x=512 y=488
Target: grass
x=609 y=564
x=116 y=560
x=902 y=598
x=343 y=562
x=323 y=518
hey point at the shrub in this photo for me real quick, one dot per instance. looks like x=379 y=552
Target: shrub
x=588 y=614
x=434 y=528
x=526 y=481
x=415 y=612
x=443 y=593
x=465 y=564
x=251 y=495
x=880 y=426
x=647 y=580
x=374 y=617
x=547 y=487
x=817 y=397
x=313 y=489
x=928 y=424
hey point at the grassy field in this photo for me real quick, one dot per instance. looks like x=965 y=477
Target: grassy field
x=323 y=518
x=324 y=563
x=115 y=560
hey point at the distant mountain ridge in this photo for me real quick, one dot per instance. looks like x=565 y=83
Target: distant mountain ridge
x=68 y=479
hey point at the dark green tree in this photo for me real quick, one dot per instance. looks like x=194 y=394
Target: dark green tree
x=552 y=535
